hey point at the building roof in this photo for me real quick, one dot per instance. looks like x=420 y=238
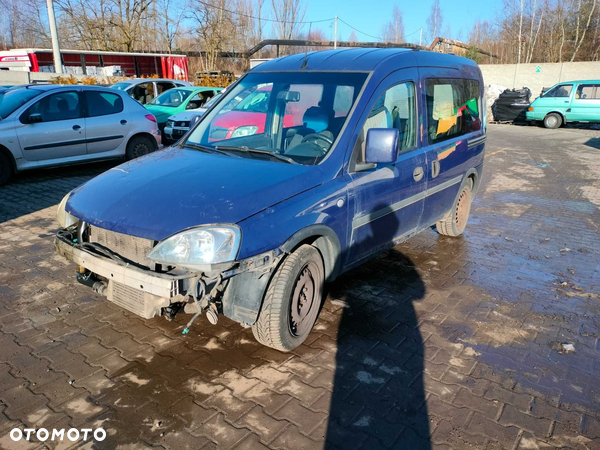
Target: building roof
x=87 y=52
x=360 y=59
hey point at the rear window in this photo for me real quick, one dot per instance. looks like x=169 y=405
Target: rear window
x=452 y=108
x=103 y=103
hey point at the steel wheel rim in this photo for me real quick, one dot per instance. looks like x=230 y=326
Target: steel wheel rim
x=140 y=149
x=304 y=299
x=551 y=120
x=463 y=207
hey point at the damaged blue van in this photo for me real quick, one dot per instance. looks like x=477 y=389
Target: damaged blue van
x=308 y=166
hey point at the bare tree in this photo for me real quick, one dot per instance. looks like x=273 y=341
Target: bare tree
x=590 y=14
x=434 y=21
x=288 y=15
x=352 y=37
x=393 y=31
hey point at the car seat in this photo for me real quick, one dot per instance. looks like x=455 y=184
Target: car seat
x=63 y=108
x=315 y=120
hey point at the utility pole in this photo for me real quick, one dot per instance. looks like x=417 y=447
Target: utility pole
x=335 y=34
x=54 y=34
x=420 y=36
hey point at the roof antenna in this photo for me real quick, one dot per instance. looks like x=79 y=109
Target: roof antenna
x=304 y=63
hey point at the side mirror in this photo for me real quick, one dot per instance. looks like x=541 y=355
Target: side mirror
x=35 y=118
x=381 y=146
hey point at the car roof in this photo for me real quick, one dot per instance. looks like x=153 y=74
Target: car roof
x=361 y=59
x=579 y=81
x=146 y=80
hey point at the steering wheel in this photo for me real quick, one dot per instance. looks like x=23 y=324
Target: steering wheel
x=321 y=141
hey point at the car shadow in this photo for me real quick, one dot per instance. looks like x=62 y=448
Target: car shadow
x=593 y=142
x=378 y=397
x=34 y=190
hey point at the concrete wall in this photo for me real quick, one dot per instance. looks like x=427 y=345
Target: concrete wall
x=536 y=76
x=14 y=77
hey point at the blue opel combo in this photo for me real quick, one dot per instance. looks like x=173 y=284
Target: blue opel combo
x=332 y=157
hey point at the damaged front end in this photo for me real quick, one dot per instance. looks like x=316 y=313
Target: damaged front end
x=122 y=268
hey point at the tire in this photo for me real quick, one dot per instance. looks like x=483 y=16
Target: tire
x=138 y=146
x=553 y=121
x=6 y=169
x=455 y=222
x=283 y=322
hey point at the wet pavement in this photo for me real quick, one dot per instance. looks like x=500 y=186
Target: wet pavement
x=487 y=341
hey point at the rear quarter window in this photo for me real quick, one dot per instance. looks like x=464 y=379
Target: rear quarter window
x=103 y=103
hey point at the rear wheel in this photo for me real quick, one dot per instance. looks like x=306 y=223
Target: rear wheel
x=5 y=169
x=139 y=146
x=292 y=301
x=455 y=222
x=553 y=121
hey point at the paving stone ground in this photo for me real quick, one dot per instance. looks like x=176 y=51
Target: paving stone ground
x=439 y=343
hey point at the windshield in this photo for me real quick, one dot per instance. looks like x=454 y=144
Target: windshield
x=121 y=86
x=172 y=98
x=297 y=115
x=12 y=99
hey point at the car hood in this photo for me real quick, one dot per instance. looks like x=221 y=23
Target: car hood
x=187 y=115
x=171 y=190
x=234 y=119
x=161 y=112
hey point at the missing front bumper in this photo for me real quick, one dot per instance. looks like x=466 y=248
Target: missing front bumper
x=144 y=292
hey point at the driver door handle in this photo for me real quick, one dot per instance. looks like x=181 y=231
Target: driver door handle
x=76 y=127
x=123 y=122
x=418 y=173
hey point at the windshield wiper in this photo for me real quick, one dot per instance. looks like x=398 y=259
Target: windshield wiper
x=245 y=149
x=206 y=149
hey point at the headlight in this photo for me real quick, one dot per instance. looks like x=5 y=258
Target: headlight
x=244 y=131
x=197 y=247
x=194 y=120
x=62 y=216
x=170 y=123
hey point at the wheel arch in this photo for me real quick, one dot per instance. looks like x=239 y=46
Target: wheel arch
x=560 y=113
x=145 y=135
x=6 y=152
x=324 y=239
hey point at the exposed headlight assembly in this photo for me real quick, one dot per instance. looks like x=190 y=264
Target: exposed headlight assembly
x=244 y=131
x=63 y=218
x=198 y=247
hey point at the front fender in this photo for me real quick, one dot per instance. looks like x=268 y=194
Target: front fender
x=318 y=216
x=321 y=208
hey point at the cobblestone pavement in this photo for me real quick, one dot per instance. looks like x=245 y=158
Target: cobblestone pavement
x=439 y=343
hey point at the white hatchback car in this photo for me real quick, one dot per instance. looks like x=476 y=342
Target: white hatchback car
x=51 y=125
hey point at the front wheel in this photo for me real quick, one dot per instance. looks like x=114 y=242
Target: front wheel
x=455 y=222
x=292 y=301
x=552 y=121
x=5 y=169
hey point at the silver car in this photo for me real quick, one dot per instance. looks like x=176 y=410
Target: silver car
x=179 y=124
x=144 y=90
x=51 y=125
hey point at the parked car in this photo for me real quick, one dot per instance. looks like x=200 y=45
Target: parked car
x=50 y=125
x=178 y=124
x=570 y=101
x=179 y=99
x=252 y=226
x=144 y=90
